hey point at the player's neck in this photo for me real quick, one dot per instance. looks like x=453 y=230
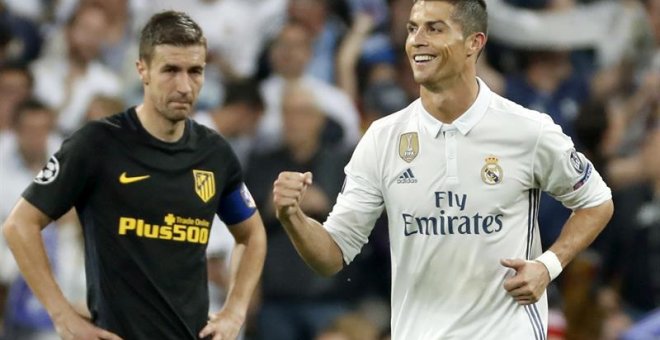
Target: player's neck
x=158 y=126
x=449 y=101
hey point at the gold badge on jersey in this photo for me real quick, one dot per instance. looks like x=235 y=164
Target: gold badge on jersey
x=408 y=146
x=204 y=184
x=492 y=173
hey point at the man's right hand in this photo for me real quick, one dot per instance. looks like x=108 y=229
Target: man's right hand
x=288 y=191
x=72 y=326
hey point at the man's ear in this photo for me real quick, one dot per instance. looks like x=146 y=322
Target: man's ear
x=475 y=43
x=143 y=71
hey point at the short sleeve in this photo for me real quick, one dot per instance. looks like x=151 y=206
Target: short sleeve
x=359 y=203
x=234 y=176
x=236 y=202
x=564 y=173
x=61 y=182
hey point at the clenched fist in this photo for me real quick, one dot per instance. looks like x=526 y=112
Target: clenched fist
x=288 y=191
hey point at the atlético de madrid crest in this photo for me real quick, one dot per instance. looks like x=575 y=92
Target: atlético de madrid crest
x=204 y=184
x=491 y=172
x=408 y=146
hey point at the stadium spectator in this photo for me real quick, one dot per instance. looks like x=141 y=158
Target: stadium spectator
x=289 y=55
x=69 y=82
x=296 y=303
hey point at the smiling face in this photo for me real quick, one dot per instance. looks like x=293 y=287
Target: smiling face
x=436 y=46
x=173 y=78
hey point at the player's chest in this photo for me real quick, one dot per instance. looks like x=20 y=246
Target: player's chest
x=453 y=172
x=135 y=186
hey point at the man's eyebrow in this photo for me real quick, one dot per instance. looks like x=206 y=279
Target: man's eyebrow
x=441 y=22
x=428 y=23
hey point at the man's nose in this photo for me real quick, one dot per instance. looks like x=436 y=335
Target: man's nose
x=183 y=83
x=418 y=38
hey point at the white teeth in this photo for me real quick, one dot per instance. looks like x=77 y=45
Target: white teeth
x=424 y=57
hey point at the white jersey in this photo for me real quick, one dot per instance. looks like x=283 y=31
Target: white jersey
x=460 y=197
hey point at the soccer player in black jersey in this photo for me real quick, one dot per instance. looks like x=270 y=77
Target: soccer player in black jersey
x=146 y=184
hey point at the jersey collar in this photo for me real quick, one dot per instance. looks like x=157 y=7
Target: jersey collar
x=465 y=122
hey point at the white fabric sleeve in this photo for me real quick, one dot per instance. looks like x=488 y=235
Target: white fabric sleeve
x=360 y=201
x=564 y=173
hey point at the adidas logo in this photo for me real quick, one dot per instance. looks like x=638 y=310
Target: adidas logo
x=406 y=177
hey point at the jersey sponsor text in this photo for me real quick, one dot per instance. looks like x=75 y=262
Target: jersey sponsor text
x=176 y=228
x=442 y=224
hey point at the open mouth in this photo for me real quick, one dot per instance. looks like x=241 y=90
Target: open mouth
x=423 y=58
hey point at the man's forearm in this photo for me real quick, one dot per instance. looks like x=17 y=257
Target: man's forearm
x=247 y=261
x=581 y=228
x=25 y=241
x=314 y=244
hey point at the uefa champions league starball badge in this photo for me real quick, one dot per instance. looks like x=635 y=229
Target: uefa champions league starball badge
x=49 y=172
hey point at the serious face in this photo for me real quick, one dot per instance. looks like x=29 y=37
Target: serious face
x=435 y=45
x=173 y=79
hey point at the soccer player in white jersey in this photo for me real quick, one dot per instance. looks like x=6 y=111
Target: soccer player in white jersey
x=459 y=172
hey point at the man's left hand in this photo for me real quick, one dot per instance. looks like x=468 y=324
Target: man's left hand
x=223 y=325
x=529 y=283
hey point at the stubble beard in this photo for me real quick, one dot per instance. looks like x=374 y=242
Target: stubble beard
x=175 y=115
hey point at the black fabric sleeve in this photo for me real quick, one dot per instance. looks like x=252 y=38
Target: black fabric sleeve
x=58 y=186
x=234 y=172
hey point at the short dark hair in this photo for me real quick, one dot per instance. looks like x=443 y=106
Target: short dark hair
x=472 y=15
x=244 y=91
x=169 y=28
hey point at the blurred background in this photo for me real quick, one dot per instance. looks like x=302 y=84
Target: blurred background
x=292 y=84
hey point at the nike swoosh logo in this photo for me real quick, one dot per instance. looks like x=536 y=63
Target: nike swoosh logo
x=123 y=179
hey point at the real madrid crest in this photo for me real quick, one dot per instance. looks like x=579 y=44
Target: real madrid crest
x=408 y=146
x=492 y=173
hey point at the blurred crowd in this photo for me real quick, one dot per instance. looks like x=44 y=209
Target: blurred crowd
x=292 y=84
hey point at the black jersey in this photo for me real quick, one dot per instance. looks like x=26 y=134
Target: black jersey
x=146 y=207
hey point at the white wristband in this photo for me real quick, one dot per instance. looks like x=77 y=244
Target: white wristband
x=551 y=262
